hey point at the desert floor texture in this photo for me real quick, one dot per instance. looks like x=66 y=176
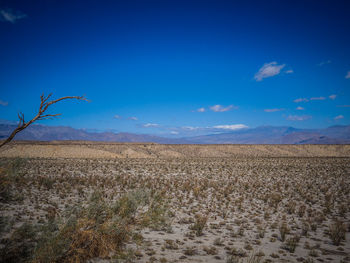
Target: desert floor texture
x=110 y=202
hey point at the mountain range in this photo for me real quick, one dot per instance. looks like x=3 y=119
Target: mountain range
x=339 y=134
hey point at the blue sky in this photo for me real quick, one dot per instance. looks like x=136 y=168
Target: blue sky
x=177 y=68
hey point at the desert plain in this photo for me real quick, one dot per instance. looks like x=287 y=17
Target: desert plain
x=133 y=202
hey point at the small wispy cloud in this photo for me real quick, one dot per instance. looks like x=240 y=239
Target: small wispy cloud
x=220 y=108
x=190 y=128
x=11 y=16
x=174 y=132
x=324 y=63
x=231 y=127
x=332 y=97
x=301 y=100
x=273 y=110
x=343 y=106
x=268 y=70
x=300 y=108
x=133 y=118
x=299 y=117
x=150 y=125
x=317 y=98
x=201 y=110
x=289 y=71
x=3 y=103
x=117 y=116
x=339 y=117
x=347 y=76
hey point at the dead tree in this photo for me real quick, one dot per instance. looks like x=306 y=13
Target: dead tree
x=44 y=105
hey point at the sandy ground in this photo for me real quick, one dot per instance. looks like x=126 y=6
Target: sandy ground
x=250 y=195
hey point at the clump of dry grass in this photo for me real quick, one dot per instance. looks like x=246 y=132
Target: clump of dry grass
x=94 y=231
x=291 y=243
x=190 y=251
x=157 y=215
x=211 y=250
x=284 y=230
x=98 y=230
x=199 y=224
x=337 y=232
x=20 y=246
x=252 y=258
x=10 y=177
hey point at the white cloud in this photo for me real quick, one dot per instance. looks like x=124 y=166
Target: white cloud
x=220 y=108
x=332 y=97
x=202 y=130
x=348 y=75
x=289 y=71
x=339 y=117
x=268 y=70
x=117 y=116
x=324 y=63
x=201 y=110
x=231 y=127
x=317 y=98
x=3 y=103
x=301 y=100
x=150 y=125
x=273 y=110
x=11 y=16
x=298 y=117
x=133 y=118
x=300 y=108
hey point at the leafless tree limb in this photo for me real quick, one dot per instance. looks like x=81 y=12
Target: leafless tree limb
x=44 y=105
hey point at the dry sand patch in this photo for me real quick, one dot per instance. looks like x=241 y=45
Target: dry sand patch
x=137 y=150
x=55 y=151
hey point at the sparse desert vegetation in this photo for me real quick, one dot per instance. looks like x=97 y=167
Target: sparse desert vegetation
x=177 y=205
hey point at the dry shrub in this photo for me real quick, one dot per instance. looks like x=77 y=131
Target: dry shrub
x=88 y=242
x=157 y=215
x=337 y=232
x=252 y=258
x=127 y=205
x=291 y=244
x=95 y=231
x=301 y=210
x=10 y=178
x=291 y=205
x=19 y=247
x=284 y=230
x=199 y=224
x=99 y=230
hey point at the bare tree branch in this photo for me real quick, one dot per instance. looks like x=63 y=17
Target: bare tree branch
x=44 y=105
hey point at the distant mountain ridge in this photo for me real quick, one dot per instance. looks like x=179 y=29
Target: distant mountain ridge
x=279 y=135
x=59 y=133
x=339 y=134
